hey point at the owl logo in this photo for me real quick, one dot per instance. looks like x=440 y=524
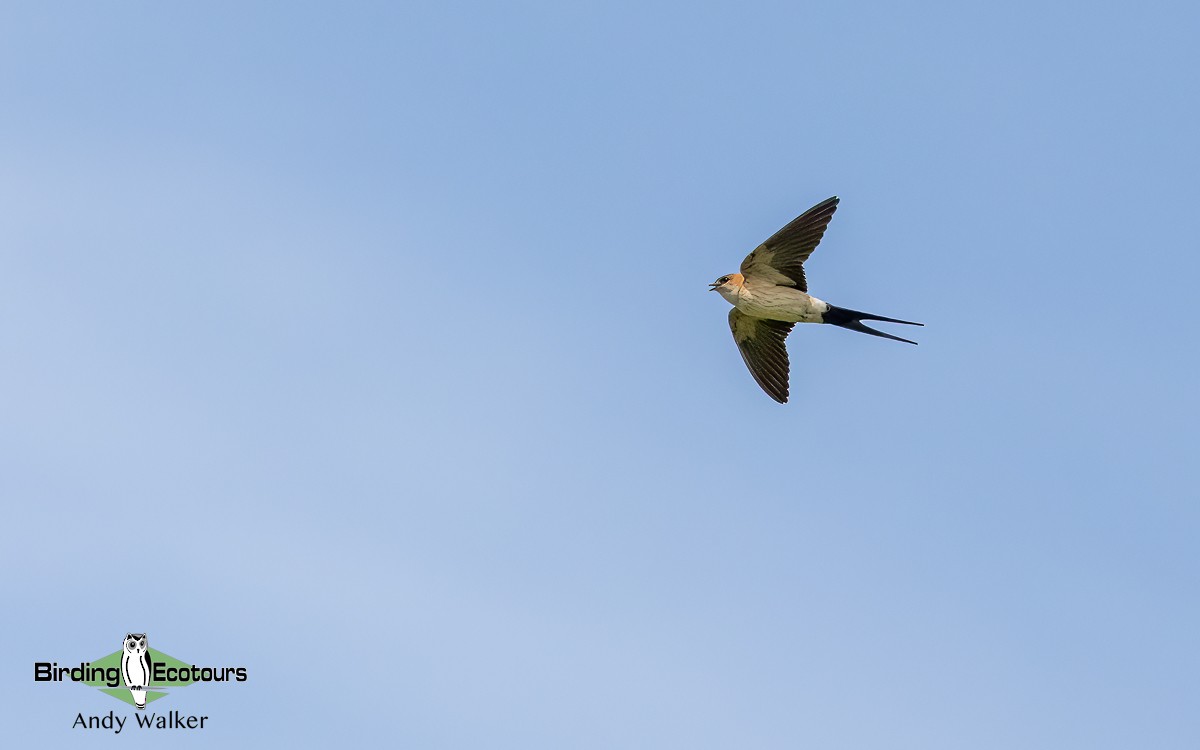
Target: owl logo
x=135 y=667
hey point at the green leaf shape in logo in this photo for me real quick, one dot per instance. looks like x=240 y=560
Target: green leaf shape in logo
x=157 y=657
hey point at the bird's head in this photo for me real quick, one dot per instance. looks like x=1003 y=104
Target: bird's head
x=728 y=286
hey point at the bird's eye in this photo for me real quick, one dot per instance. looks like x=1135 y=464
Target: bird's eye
x=723 y=279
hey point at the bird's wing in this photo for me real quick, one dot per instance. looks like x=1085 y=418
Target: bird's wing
x=780 y=259
x=761 y=343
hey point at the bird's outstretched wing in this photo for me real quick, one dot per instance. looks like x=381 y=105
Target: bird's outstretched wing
x=761 y=343
x=781 y=258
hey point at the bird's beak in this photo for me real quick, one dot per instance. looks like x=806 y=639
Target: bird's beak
x=713 y=287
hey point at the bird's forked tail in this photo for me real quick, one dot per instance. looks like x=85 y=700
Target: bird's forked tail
x=852 y=319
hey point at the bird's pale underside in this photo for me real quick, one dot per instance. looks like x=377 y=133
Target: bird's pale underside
x=770 y=295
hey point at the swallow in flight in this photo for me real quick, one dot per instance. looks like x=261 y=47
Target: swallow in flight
x=770 y=296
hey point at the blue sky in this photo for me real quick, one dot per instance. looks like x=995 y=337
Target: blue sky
x=368 y=346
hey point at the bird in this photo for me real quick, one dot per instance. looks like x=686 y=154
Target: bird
x=770 y=296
